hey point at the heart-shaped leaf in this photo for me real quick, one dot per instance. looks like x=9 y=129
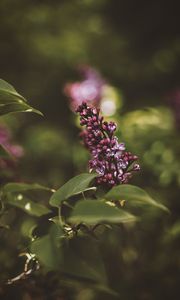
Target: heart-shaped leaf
x=74 y=186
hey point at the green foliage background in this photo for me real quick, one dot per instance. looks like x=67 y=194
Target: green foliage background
x=136 y=47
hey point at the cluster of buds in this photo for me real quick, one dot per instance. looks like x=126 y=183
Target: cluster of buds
x=108 y=157
x=89 y=89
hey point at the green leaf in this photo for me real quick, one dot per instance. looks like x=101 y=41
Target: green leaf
x=13 y=193
x=97 y=211
x=17 y=107
x=74 y=186
x=22 y=187
x=78 y=258
x=24 y=203
x=28 y=227
x=134 y=196
x=48 y=248
x=11 y=101
x=6 y=87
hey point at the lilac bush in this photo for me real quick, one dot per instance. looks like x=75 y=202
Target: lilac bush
x=70 y=226
x=108 y=157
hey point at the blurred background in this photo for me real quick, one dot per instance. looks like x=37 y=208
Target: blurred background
x=124 y=56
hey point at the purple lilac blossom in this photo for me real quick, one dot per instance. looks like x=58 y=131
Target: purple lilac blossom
x=108 y=157
x=89 y=89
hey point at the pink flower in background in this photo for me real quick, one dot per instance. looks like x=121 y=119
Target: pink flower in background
x=16 y=151
x=89 y=89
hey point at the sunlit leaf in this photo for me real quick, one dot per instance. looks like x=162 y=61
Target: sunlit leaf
x=24 y=203
x=133 y=195
x=74 y=186
x=97 y=211
x=13 y=194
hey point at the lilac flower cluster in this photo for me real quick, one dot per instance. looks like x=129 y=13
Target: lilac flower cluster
x=89 y=89
x=108 y=157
